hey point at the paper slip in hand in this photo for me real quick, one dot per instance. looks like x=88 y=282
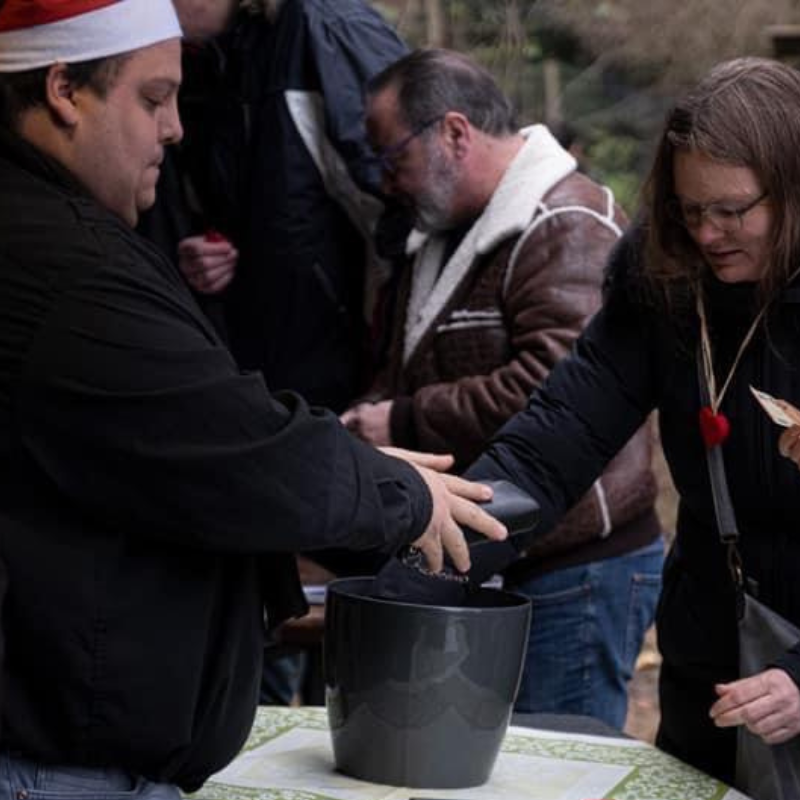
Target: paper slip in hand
x=779 y=411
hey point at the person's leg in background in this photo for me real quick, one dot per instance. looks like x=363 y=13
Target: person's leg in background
x=282 y=677
x=587 y=629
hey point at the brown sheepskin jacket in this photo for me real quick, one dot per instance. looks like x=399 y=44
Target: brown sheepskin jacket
x=477 y=334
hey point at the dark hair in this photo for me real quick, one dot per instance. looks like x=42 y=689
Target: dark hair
x=431 y=82
x=20 y=91
x=743 y=113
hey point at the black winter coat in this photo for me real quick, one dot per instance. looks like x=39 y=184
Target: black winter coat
x=150 y=494
x=636 y=356
x=250 y=102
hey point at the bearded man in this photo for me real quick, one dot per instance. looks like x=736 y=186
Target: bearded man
x=506 y=269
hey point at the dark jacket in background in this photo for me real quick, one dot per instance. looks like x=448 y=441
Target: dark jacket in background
x=150 y=496
x=275 y=145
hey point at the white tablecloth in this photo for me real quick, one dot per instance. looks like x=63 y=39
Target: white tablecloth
x=288 y=757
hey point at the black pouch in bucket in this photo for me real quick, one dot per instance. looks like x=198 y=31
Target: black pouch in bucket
x=407 y=579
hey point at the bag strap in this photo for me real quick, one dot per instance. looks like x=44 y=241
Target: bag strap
x=723 y=507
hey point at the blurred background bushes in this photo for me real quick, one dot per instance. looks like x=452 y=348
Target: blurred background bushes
x=600 y=74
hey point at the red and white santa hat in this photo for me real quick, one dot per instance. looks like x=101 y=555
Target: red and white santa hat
x=37 y=33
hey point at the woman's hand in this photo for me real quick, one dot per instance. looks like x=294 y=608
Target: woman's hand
x=789 y=444
x=767 y=703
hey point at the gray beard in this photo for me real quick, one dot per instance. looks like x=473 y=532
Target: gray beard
x=434 y=208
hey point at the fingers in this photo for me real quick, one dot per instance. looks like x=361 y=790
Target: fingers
x=456 y=547
x=197 y=247
x=780 y=734
x=442 y=533
x=353 y=419
x=370 y=422
x=789 y=444
x=434 y=461
x=468 y=514
x=446 y=539
x=450 y=512
x=350 y=420
x=737 y=700
x=212 y=280
x=208 y=266
x=768 y=704
x=433 y=550
x=478 y=492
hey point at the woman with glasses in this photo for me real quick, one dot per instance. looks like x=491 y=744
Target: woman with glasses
x=704 y=293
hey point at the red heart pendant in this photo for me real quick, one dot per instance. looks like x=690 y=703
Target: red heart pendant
x=713 y=427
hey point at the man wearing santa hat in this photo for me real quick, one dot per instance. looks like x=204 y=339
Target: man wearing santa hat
x=151 y=495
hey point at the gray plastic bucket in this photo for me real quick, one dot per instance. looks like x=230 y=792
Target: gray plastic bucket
x=421 y=695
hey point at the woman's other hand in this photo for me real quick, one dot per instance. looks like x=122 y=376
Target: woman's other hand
x=767 y=703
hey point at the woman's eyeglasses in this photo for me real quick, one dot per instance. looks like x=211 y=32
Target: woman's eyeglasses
x=723 y=216
x=386 y=159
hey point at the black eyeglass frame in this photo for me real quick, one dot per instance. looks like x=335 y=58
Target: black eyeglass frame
x=697 y=212
x=385 y=158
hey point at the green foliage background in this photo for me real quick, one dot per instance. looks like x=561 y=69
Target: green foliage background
x=617 y=63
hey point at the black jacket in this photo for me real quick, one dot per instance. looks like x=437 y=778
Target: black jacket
x=149 y=496
x=255 y=104
x=637 y=355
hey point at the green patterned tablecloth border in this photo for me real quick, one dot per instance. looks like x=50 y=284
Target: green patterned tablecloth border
x=655 y=775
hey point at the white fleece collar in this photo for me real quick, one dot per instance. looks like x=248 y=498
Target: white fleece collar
x=540 y=164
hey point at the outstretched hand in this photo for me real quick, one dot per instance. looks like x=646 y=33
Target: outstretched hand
x=767 y=703
x=455 y=503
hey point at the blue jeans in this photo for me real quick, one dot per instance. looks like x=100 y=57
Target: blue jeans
x=587 y=628
x=282 y=678
x=21 y=779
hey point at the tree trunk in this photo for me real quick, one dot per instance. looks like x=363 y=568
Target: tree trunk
x=434 y=12
x=551 y=76
x=515 y=30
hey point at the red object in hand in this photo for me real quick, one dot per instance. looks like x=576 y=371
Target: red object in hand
x=212 y=235
x=713 y=427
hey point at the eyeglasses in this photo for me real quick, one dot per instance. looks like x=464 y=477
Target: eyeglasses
x=723 y=216
x=386 y=159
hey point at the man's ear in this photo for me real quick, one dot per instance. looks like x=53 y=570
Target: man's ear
x=457 y=133
x=60 y=95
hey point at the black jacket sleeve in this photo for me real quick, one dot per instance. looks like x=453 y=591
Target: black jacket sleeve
x=135 y=411
x=589 y=406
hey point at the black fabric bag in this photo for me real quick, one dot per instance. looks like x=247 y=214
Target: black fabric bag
x=766 y=772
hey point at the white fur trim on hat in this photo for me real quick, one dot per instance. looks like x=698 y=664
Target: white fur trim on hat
x=111 y=30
